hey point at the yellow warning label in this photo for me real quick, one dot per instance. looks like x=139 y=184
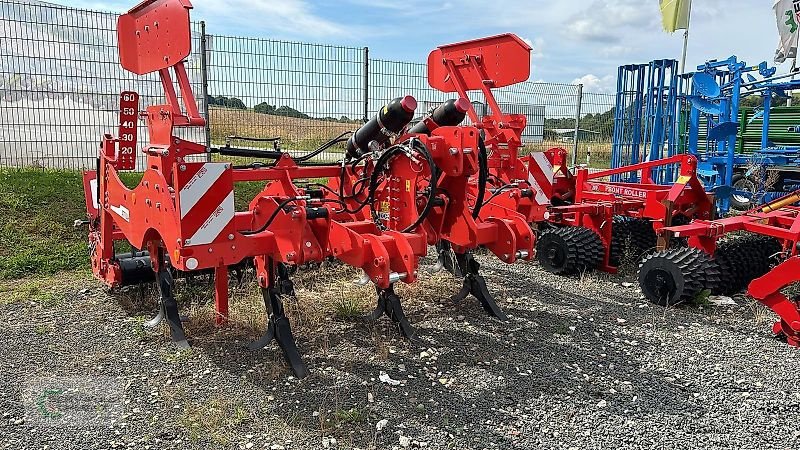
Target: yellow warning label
x=385 y=207
x=683 y=179
x=408 y=185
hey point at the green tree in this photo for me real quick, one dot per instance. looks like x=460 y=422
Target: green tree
x=290 y=112
x=234 y=103
x=264 y=108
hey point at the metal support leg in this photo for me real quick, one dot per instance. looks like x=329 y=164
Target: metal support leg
x=389 y=304
x=475 y=284
x=221 y=295
x=279 y=329
x=767 y=289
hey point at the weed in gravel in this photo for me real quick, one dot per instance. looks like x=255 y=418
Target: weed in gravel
x=702 y=298
x=350 y=416
x=214 y=420
x=138 y=300
x=177 y=356
x=350 y=305
x=381 y=346
x=761 y=314
x=139 y=330
x=561 y=328
x=628 y=266
x=195 y=291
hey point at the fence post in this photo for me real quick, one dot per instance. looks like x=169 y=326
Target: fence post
x=577 y=126
x=204 y=79
x=366 y=84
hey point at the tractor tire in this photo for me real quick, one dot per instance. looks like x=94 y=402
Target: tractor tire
x=569 y=250
x=742 y=182
x=674 y=276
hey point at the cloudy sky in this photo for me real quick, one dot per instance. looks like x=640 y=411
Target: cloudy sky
x=573 y=40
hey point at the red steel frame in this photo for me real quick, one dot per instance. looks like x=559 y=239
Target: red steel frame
x=779 y=220
x=185 y=209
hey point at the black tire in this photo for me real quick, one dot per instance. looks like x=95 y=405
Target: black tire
x=674 y=276
x=742 y=182
x=569 y=250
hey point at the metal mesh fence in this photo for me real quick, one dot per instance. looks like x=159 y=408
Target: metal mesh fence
x=550 y=108
x=305 y=94
x=596 y=130
x=60 y=81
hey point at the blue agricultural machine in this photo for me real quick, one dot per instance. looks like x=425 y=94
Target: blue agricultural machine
x=660 y=113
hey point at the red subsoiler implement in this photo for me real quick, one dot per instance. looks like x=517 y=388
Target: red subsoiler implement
x=397 y=190
x=394 y=193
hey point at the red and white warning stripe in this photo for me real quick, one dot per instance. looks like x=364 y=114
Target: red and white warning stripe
x=540 y=177
x=206 y=203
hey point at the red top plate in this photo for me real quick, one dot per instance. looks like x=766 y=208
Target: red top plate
x=154 y=35
x=506 y=59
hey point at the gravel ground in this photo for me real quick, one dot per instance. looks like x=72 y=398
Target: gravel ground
x=582 y=363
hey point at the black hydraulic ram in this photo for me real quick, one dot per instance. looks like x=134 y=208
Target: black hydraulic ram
x=388 y=122
x=448 y=114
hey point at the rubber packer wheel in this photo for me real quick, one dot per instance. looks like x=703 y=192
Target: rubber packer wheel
x=569 y=250
x=673 y=276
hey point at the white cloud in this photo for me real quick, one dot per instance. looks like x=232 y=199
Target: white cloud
x=595 y=84
x=537 y=46
x=616 y=51
x=605 y=20
x=570 y=38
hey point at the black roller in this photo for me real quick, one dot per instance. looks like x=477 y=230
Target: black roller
x=391 y=119
x=448 y=114
x=135 y=268
x=677 y=275
x=630 y=239
x=569 y=250
x=742 y=259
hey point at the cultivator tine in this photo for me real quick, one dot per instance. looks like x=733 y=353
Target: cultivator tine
x=155 y=321
x=279 y=329
x=446 y=259
x=170 y=306
x=379 y=310
x=475 y=284
x=286 y=285
x=390 y=305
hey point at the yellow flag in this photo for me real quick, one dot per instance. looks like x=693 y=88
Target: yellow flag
x=675 y=14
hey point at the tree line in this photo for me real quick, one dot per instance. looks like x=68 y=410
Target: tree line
x=603 y=123
x=266 y=108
